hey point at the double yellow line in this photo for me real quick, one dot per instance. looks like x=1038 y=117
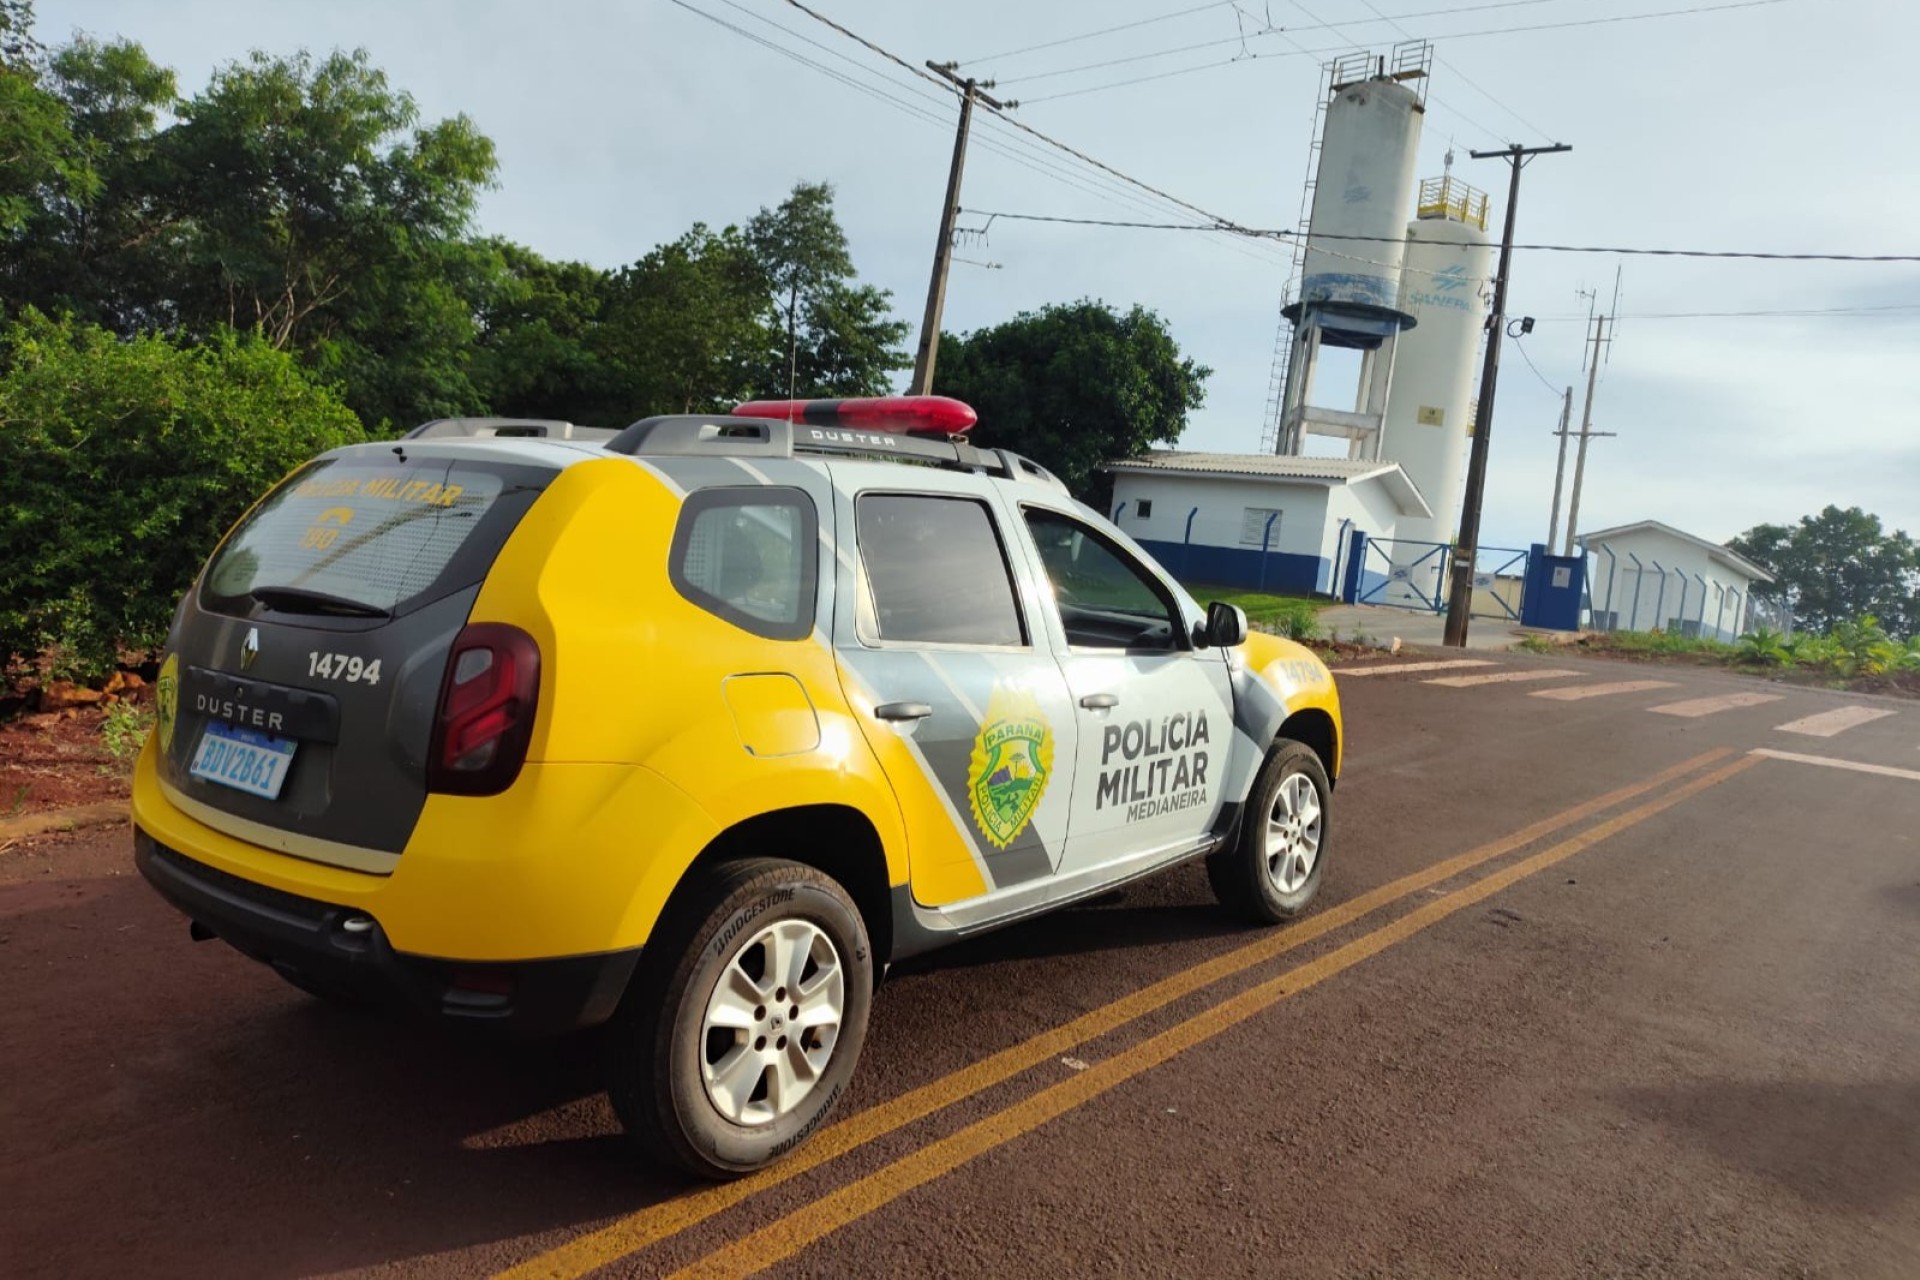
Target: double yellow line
x=790 y=1234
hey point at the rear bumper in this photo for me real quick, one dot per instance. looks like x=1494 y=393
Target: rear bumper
x=345 y=948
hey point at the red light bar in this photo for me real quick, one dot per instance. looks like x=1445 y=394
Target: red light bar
x=913 y=415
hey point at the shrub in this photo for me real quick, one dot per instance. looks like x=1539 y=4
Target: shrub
x=126 y=460
x=1764 y=646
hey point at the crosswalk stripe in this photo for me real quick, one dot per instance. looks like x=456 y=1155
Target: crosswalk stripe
x=1858 y=766
x=1499 y=677
x=1829 y=723
x=1575 y=692
x=1694 y=707
x=1408 y=668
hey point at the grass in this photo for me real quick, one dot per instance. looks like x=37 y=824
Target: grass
x=1296 y=617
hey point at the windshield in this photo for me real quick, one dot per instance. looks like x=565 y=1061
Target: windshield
x=360 y=536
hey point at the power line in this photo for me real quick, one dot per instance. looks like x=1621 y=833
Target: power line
x=1270 y=233
x=1084 y=182
x=1316 y=25
x=1463 y=77
x=1220 y=223
x=1103 y=31
x=1455 y=35
x=1522 y=349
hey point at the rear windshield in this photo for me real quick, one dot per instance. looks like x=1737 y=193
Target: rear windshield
x=377 y=537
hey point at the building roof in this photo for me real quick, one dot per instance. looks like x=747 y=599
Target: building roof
x=1279 y=469
x=1715 y=552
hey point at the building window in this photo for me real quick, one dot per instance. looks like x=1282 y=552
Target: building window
x=1253 y=527
x=1144 y=508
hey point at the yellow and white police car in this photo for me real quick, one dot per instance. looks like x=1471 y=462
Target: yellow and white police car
x=694 y=728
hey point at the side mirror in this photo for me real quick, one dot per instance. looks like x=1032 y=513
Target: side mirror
x=1226 y=625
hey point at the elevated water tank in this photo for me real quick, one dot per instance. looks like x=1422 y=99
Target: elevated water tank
x=1447 y=280
x=1363 y=190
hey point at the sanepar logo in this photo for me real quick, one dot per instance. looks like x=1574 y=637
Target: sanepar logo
x=1450 y=278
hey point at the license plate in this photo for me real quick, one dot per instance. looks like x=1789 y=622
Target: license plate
x=247 y=761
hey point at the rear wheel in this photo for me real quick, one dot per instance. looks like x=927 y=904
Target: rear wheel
x=1272 y=871
x=746 y=1020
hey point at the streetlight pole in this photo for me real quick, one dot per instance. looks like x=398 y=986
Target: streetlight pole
x=1467 y=546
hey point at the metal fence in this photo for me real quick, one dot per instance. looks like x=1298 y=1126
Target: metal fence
x=1626 y=593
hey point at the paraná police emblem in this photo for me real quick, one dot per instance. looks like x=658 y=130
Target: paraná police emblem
x=1012 y=762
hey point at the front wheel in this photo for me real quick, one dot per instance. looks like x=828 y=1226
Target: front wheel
x=1271 y=872
x=748 y=1018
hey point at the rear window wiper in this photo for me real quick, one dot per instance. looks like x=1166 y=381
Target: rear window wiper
x=303 y=600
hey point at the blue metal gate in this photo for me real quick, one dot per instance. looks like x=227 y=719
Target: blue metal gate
x=1404 y=574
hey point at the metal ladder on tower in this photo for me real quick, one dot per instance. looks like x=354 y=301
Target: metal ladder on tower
x=1283 y=339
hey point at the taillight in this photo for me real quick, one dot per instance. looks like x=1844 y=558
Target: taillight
x=485 y=718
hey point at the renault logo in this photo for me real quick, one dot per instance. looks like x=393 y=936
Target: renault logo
x=249 y=648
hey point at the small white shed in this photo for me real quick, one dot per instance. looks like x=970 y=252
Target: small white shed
x=1651 y=576
x=1276 y=523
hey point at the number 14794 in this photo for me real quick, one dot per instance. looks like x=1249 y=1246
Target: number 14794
x=343 y=666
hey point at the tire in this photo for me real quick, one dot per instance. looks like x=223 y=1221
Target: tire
x=708 y=995
x=1261 y=876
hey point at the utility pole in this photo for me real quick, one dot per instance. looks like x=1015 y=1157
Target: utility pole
x=1467 y=546
x=1586 y=433
x=1560 y=467
x=970 y=91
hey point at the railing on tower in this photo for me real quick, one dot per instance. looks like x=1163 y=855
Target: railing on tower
x=1449 y=197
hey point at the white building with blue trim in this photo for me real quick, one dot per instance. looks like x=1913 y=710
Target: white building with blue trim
x=1271 y=522
x=1649 y=576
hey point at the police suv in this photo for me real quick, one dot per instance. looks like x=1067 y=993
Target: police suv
x=693 y=728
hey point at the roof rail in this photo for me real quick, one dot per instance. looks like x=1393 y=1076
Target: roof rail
x=534 y=428
x=728 y=435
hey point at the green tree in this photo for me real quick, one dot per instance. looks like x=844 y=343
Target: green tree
x=37 y=149
x=829 y=335
x=683 y=329
x=1074 y=386
x=104 y=245
x=1839 y=566
x=535 y=356
x=126 y=460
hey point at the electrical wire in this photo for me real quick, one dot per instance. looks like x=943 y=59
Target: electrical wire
x=1464 y=79
x=1456 y=35
x=1220 y=223
x=1104 y=31
x=1008 y=146
x=1269 y=233
x=1521 y=347
x=1316 y=25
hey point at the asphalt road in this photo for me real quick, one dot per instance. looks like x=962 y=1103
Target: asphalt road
x=1591 y=990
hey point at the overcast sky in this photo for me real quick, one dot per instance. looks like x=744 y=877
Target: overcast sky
x=1788 y=126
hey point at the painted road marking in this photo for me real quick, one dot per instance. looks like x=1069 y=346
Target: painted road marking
x=1409 y=668
x=786 y=1236
x=595 y=1249
x=1575 y=692
x=1857 y=766
x=1829 y=723
x=1694 y=707
x=1499 y=677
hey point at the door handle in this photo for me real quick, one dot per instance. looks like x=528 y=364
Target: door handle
x=1100 y=701
x=903 y=711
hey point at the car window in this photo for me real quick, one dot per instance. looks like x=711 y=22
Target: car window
x=750 y=556
x=350 y=535
x=936 y=570
x=1107 y=599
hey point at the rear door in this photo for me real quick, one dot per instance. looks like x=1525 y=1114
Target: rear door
x=305 y=667
x=969 y=710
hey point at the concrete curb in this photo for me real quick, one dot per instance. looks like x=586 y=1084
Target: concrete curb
x=86 y=815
